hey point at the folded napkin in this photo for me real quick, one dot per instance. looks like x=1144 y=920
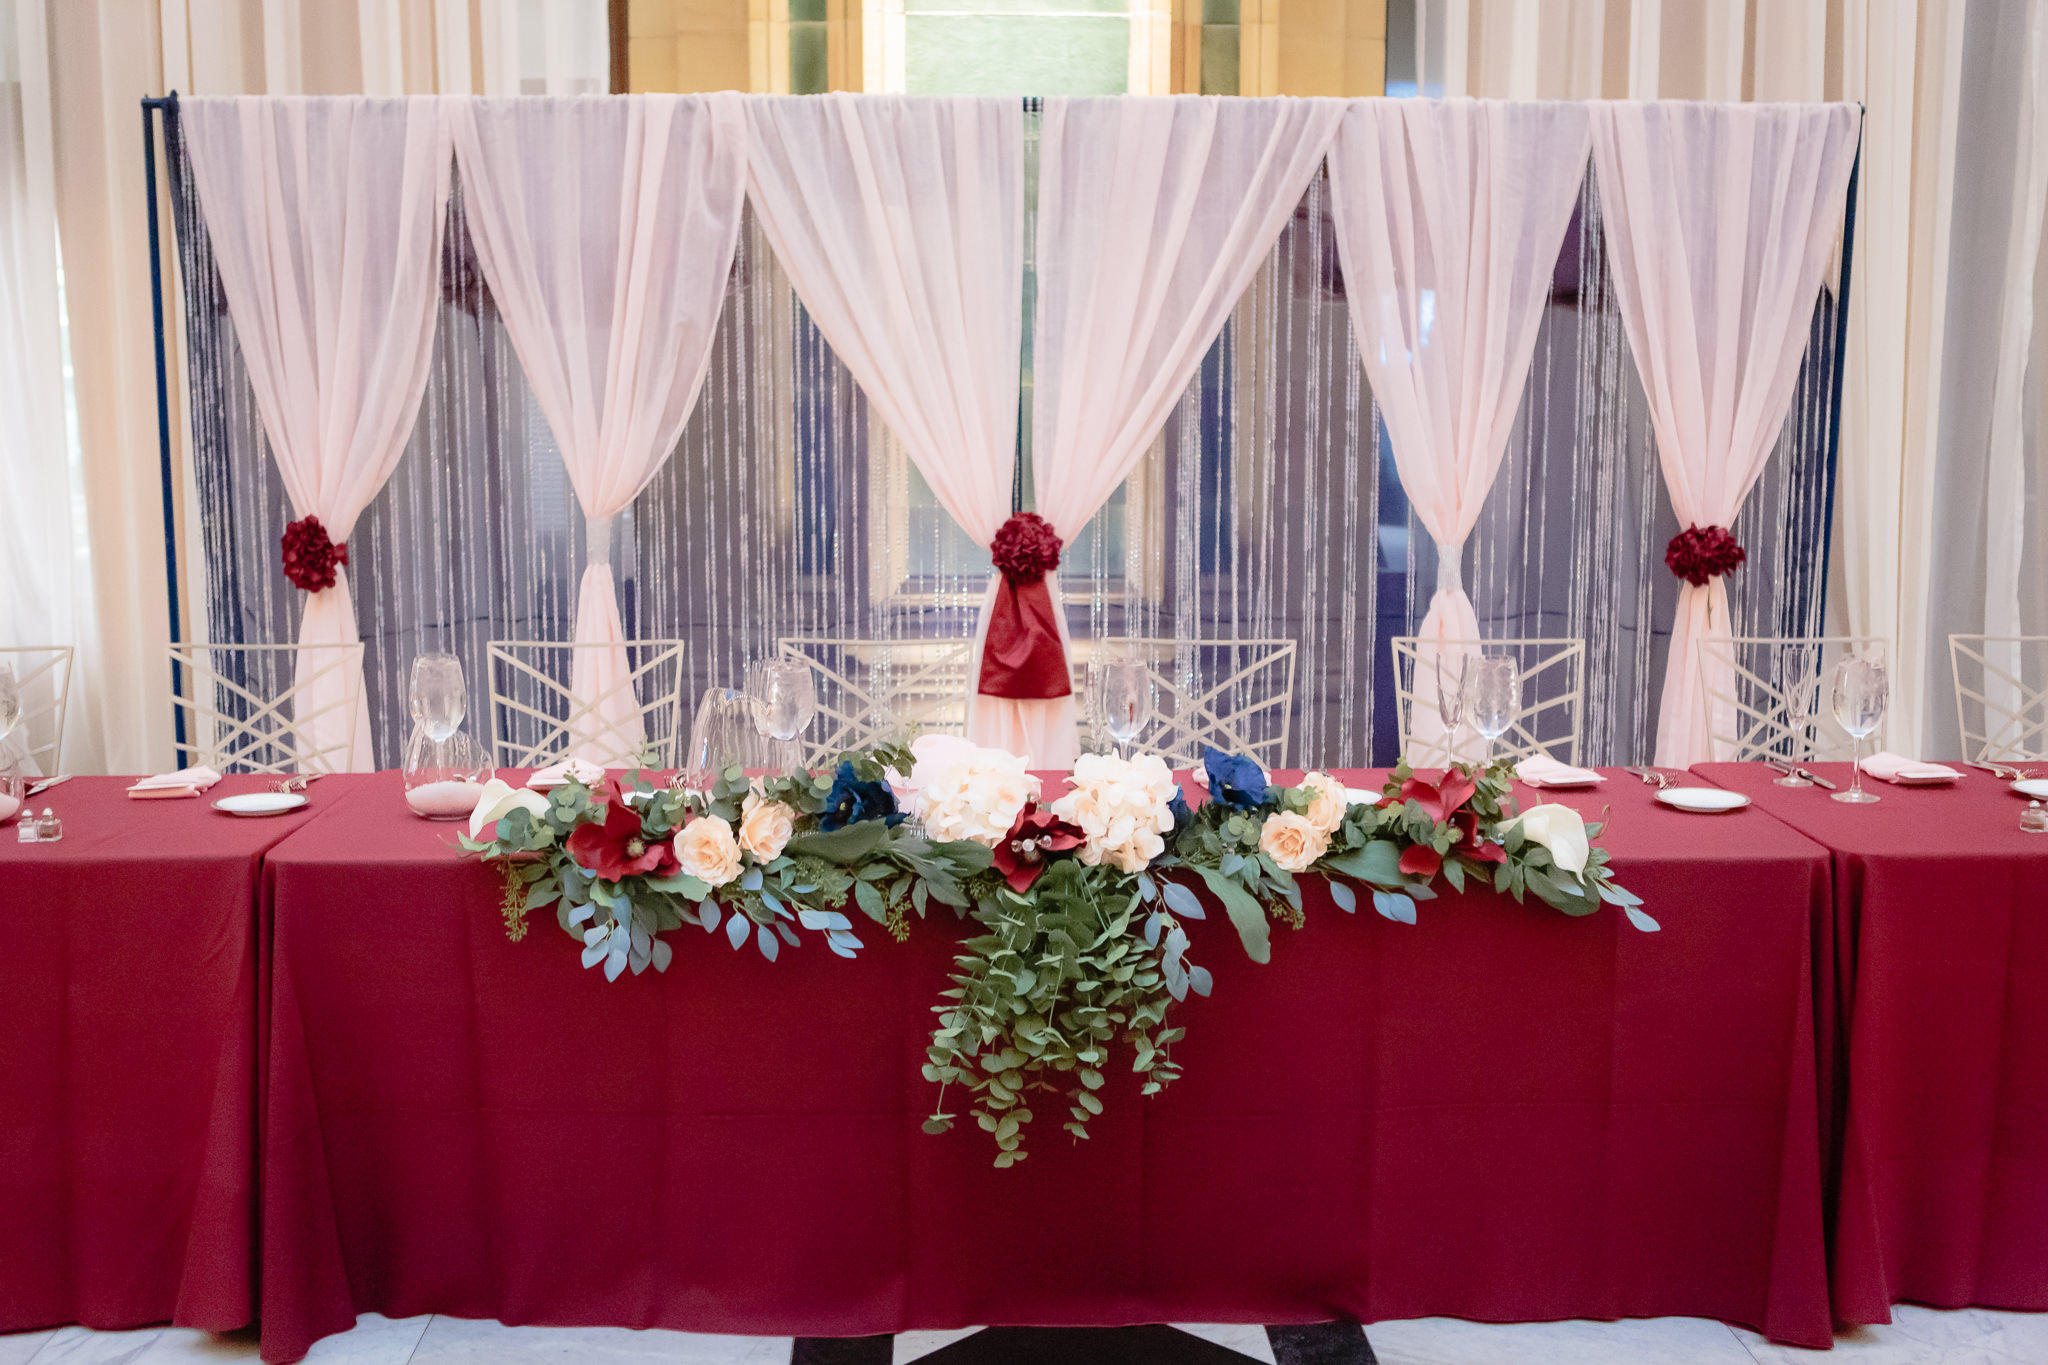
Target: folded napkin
x=584 y=771
x=184 y=782
x=1886 y=766
x=1541 y=770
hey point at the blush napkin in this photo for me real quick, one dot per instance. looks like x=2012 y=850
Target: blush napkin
x=1886 y=766
x=1541 y=770
x=184 y=782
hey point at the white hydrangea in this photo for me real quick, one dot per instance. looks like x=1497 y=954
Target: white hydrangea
x=965 y=792
x=1122 y=807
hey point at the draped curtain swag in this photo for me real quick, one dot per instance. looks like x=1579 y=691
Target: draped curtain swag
x=1720 y=220
x=1449 y=217
x=606 y=229
x=1154 y=213
x=901 y=224
x=326 y=219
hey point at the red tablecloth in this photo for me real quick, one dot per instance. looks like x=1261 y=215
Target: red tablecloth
x=128 y=1059
x=1501 y=1113
x=1941 y=983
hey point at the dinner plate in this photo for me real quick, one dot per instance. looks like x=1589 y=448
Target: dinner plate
x=1933 y=780
x=2036 y=787
x=260 y=803
x=1552 y=784
x=1702 y=800
x=1359 y=796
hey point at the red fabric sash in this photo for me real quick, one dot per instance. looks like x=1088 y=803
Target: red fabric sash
x=1023 y=658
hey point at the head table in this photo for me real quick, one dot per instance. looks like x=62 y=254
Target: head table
x=1499 y=1113
x=1939 y=1011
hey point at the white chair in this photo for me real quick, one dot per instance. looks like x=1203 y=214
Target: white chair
x=1760 y=718
x=535 y=720
x=43 y=673
x=1553 y=697
x=239 y=705
x=1237 y=695
x=2001 y=715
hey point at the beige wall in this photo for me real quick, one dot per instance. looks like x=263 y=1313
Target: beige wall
x=1313 y=47
x=680 y=45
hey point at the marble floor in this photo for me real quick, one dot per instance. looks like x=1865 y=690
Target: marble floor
x=1916 y=1336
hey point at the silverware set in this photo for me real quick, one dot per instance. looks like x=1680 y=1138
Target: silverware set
x=39 y=788
x=296 y=783
x=2006 y=771
x=1652 y=777
x=1793 y=770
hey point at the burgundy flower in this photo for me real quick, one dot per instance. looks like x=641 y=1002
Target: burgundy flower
x=619 y=848
x=1023 y=853
x=1445 y=801
x=1026 y=549
x=1699 y=553
x=310 y=558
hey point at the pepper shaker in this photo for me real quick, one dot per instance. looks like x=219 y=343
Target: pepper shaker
x=49 y=829
x=2034 y=820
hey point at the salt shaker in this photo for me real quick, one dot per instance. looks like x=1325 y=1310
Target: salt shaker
x=27 y=830
x=49 y=829
x=2034 y=820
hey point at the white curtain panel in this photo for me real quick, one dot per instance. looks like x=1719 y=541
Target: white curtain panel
x=901 y=225
x=1154 y=213
x=326 y=219
x=1720 y=220
x=1449 y=216
x=605 y=229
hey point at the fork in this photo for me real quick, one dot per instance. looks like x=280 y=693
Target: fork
x=298 y=782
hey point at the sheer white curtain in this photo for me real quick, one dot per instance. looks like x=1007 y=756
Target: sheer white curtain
x=901 y=224
x=606 y=228
x=1154 y=213
x=1720 y=220
x=44 y=598
x=1449 y=217
x=326 y=220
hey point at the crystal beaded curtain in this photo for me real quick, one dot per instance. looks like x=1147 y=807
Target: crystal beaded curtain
x=1268 y=509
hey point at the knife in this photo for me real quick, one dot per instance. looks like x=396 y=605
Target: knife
x=1815 y=778
x=39 y=788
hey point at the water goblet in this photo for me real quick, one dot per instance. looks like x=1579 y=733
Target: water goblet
x=1859 y=695
x=439 y=697
x=1797 y=666
x=1123 y=699
x=782 y=701
x=722 y=736
x=1494 y=696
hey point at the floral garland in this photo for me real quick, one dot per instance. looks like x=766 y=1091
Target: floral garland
x=1081 y=949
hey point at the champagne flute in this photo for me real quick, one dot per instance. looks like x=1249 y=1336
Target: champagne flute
x=1860 y=690
x=1123 y=698
x=1450 y=700
x=1797 y=667
x=783 y=701
x=1495 y=696
x=439 y=698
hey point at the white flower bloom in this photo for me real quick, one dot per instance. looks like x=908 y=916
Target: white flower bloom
x=765 y=826
x=1122 y=807
x=1560 y=829
x=708 y=850
x=1293 y=841
x=501 y=798
x=971 y=793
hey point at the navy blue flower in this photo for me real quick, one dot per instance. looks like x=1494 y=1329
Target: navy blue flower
x=1234 y=779
x=1178 y=808
x=852 y=800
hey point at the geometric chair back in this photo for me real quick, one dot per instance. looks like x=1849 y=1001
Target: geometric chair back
x=1237 y=695
x=536 y=721
x=240 y=705
x=44 y=675
x=1769 y=716
x=2001 y=696
x=1553 y=692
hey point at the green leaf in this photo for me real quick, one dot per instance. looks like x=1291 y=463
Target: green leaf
x=1246 y=914
x=870 y=901
x=845 y=845
x=1378 y=863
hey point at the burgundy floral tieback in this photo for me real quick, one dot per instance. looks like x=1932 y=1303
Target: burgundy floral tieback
x=310 y=558
x=1699 y=553
x=1023 y=657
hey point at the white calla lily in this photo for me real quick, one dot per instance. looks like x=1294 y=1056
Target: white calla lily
x=1560 y=829
x=501 y=798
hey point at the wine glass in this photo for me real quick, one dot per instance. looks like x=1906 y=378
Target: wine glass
x=1450 y=699
x=782 y=701
x=1797 y=666
x=10 y=700
x=1860 y=690
x=439 y=698
x=1123 y=699
x=1494 y=691
x=722 y=736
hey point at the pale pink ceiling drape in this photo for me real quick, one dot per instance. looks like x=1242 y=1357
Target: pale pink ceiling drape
x=1154 y=213
x=901 y=224
x=1720 y=219
x=606 y=228
x=326 y=218
x=1449 y=216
